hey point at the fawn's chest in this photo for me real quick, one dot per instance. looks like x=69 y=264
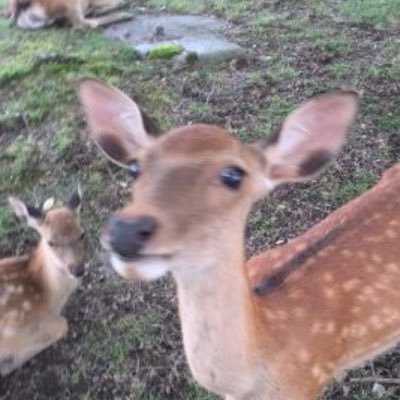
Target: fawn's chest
x=215 y=345
x=59 y=292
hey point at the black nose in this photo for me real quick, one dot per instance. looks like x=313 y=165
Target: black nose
x=128 y=237
x=78 y=270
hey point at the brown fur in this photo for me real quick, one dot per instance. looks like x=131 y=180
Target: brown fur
x=336 y=306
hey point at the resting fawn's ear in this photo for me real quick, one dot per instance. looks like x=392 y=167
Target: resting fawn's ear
x=310 y=137
x=31 y=215
x=115 y=121
x=74 y=200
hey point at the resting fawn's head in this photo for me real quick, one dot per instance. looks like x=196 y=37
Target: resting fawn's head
x=29 y=14
x=195 y=184
x=62 y=238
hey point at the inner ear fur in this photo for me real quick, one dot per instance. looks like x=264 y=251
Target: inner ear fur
x=29 y=214
x=310 y=137
x=115 y=121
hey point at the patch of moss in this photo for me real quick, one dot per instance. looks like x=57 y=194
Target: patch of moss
x=165 y=50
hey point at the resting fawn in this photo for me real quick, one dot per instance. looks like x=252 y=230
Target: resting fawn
x=282 y=325
x=34 y=288
x=34 y=14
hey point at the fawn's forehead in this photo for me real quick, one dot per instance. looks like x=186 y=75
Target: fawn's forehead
x=196 y=140
x=200 y=145
x=193 y=145
x=61 y=221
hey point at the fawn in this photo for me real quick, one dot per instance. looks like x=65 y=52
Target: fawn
x=34 y=288
x=284 y=324
x=34 y=14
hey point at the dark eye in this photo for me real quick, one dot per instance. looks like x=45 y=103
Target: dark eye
x=52 y=244
x=133 y=169
x=232 y=177
x=82 y=236
x=22 y=5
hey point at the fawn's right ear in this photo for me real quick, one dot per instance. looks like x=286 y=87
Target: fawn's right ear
x=74 y=200
x=115 y=121
x=31 y=215
x=310 y=137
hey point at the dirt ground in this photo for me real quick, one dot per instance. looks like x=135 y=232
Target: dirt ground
x=124 y=340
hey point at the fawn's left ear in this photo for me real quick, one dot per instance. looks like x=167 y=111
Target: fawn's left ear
x=310 y=137
x=115 y=121
x=31 y=215
x=74 y=200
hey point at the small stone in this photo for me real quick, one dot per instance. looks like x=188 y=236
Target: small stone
x=346 y=390
x=379 y=390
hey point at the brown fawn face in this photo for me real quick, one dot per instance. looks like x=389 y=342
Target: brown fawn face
x=61 y=234
x=65 y=240
x=195 y=185
x=29 y=14
x=190 y=183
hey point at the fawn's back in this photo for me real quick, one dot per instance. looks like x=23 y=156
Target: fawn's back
x=332 y=295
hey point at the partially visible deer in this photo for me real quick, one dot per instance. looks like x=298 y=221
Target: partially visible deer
x=284 y=324
x=34 y=288
x=34 y=14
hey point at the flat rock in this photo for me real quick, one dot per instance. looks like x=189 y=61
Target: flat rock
x=201 y=35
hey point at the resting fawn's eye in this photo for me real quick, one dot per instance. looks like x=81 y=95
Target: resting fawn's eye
x=22 y=5
x=133 y=169
x=232 y=177
x=52 y=244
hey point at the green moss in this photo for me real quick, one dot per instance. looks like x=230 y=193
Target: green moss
x=165 y=50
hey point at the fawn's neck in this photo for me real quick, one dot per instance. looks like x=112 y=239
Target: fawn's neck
x=56 y=283
x=218 y=323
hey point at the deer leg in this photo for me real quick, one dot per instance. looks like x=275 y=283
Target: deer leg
x=97 y=11
x=33 y=342
x=78 y=20
x=105 y=20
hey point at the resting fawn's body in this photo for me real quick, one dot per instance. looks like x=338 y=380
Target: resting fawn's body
x=283 y=325
x=34 y=14
x=34 y=288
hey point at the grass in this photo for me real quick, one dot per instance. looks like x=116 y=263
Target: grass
x=378 y=13
x=199 y=109
x=17 y=161
x=38 y=57
x=124 y=341
x=230 y=9
x=359 y=183
x=6 y=217
x=273 y=112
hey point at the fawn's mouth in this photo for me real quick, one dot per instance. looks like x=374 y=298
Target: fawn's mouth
x=144 y=257
x=142 y=266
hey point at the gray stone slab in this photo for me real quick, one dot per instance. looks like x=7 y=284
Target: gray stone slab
x=196 y=34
